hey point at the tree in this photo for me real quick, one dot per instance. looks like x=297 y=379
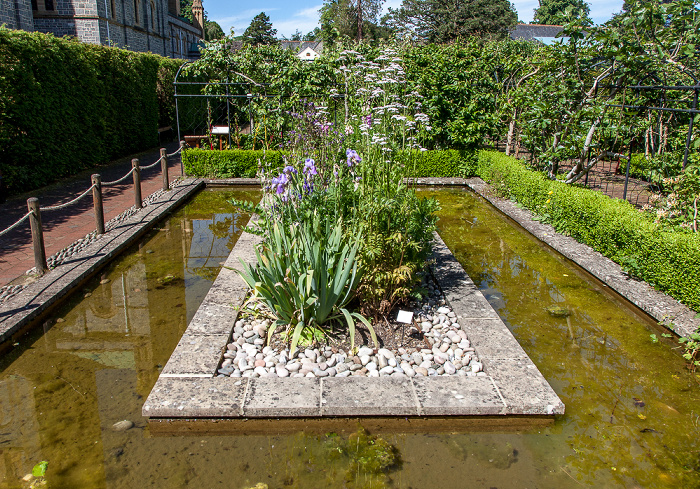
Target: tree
x=441 y=21
x=351 y=18
x=186 y=10
x=313 y=35
x=212 y=30
x=260 y=31
x=560 y=12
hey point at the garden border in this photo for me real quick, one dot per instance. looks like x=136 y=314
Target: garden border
x=189 y=388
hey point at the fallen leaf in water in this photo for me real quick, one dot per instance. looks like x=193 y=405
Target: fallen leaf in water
x=641 y=416
x=638 y=402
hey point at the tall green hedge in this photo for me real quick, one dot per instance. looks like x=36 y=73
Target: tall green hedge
x=667 y=259
x=66 y=106
x=244 y=163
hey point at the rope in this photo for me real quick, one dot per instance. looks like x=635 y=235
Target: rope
x=104 y=184
x=2 y=233
x=151 y=165
x=62 y=206
x=176 y=152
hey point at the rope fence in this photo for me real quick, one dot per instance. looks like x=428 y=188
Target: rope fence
x=34 y=214
x=5 y=231
x=107 y=184
x=63 y=206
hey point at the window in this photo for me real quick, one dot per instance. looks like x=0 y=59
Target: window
x=114 y=9
x=154 y=24
x=137 y=16
x=48 y=4
x=34 y=5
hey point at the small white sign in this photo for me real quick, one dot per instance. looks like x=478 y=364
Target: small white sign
x=405 y=317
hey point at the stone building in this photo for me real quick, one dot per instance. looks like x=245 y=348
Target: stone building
x=137 y=25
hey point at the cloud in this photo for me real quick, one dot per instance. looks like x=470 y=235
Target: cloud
x=304 y=20
x=241 y=20
x=525 y=9
x=601 y=10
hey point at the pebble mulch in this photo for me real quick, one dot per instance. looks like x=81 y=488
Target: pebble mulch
x=450 y=351
x=7 y=292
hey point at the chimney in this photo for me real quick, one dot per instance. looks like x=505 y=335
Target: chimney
x=198 y=14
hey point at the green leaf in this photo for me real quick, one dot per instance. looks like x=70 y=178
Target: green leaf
x=39 y=469
x=295 y=337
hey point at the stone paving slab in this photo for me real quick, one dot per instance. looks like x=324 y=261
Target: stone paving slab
x=441 y=396
x=283 y=397
x=36 y=298
x=196 y=355
x=490 y=340
x=190 y=372
x=366 y=396
x=200 y=398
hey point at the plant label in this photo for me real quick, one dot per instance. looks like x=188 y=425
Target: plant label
x=405 y=317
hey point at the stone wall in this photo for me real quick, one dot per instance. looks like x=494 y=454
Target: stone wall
x=137 y=25
x=17 y=14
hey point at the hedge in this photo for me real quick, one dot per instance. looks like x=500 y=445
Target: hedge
x=667 y=259
x=66 y=106
x=244 y=163
x=231 y=163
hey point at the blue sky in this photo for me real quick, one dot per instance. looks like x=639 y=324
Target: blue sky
x=287 y=16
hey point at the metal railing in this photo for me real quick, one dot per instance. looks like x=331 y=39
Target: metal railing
x=35 y=210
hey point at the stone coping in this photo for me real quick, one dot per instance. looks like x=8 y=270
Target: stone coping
x=187 y=387
x=22 y=310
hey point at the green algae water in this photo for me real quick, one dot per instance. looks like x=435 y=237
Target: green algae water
x=631 y=406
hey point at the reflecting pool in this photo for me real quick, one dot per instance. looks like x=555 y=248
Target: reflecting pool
x=631 y=420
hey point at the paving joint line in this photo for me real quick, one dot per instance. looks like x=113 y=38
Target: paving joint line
x=498 y=391
x=419 y=408
x=245 y=397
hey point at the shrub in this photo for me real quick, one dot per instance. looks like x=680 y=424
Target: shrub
x=665 y=258
x=437 y=163
x=230 y=163
x=66 y=106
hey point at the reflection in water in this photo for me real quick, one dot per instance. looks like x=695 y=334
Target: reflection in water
x=631 y=421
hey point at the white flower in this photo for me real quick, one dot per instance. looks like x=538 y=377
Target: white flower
x=420 y=117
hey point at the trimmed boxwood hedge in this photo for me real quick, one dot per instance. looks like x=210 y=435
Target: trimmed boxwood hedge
x=230 y=163
x=244 y=163
x=667 y=259
x=66 y=106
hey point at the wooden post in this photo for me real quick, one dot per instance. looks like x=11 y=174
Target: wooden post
x=182 y=151
x=138 y=202
x=164 y=168
x=97 y=202
x=37 y=236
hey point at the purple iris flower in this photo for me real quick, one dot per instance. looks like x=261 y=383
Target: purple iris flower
x=310 y=167
x=278 y=183
x=353 y=157
x=290 y=169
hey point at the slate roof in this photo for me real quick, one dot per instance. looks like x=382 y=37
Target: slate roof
x=529 y=32
x=299 y=46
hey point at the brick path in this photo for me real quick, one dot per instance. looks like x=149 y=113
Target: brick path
x=63 y=227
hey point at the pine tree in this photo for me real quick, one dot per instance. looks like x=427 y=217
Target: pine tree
x=441 y=21
x=260 y=31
